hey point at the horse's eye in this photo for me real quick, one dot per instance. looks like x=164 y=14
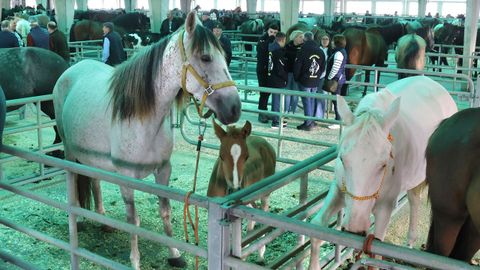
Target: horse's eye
x=206 y=58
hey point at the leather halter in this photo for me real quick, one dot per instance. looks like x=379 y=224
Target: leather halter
x=375 y=195
x=209 y=88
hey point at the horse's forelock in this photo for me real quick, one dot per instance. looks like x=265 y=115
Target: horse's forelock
x=368 y=124
x=203 y=41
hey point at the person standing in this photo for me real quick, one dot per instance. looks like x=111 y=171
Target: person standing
x=307 y=70
x=262 y=68
x=224 y=41
x=291 y=50
x=58 y=41
x=277 y=72
x=207 y=21
x=7 y=38
x=13 y=29
x=170 y=24
x=336 y=69
x=113 y=52
x=320 y=103
x=38 y=36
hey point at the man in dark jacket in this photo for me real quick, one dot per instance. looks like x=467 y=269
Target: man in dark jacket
x=7 y=38
x=277 y=72
x=224 y=41
x=58 y=42
x=38 y=36
x=262 y=68
x=113 y=53
x=308 y=68
x=170 y=24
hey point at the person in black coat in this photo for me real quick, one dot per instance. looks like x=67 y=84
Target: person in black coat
x=224 y=42
x=277 y=72
x=292 y=48
x=307 y=70
x=58 y=42
x=262 y=68
x=7 y=38
x=170 y=24
x=113 y=52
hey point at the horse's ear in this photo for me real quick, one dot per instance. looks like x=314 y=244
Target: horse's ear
x=247 y=129
x=218 y=129
x=391 y=115
x=191 y=22
x=344 y=111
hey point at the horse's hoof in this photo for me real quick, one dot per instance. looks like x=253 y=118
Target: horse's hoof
x=107 y=229
x=177 y=262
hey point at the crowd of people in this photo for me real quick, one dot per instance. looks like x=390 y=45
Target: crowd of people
x=302 y=64
x=48 y=37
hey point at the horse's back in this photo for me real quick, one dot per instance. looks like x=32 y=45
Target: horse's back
x=29 y=71
x=424 y=104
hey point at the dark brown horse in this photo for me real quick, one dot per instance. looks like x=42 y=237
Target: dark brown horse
x=453 y=174
x=364 y=47
x=30 y=71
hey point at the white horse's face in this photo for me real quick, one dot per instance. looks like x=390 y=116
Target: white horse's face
x=207 y=59
x=365 y=159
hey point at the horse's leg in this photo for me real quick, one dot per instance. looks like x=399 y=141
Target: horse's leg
x=468 y=240
x=162 y=176
x=414 y=198
x=132 y=218
x=367 y=80
x=261 y=251
x=97 y=198
x=445 y=231
x=332 y=205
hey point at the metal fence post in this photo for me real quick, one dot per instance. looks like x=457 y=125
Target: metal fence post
x=72 y=218
x=218 y=238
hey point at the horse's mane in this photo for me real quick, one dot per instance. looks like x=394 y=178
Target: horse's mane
x=133 y=82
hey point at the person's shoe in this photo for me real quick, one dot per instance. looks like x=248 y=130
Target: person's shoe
x=334 y=126
x=275 y=125
x=284 y=124
x=305 y=127
x=262 y=118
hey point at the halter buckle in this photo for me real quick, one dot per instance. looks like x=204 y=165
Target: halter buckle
x=209 y=90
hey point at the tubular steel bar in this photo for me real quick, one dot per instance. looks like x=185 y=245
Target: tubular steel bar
x=16 y=261
x=64 y=245
x=237 y=196
x=130 y=182
x=414 y=256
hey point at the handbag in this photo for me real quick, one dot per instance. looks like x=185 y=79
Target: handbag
x=330 y=86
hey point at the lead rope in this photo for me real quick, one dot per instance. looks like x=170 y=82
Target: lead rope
x=202 y=126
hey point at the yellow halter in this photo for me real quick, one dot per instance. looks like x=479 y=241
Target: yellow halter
x=375 y=195
x=209 y=88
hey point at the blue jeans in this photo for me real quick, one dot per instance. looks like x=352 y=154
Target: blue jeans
x=308 y=103
x=275 y=107
x=291 y=101
x=320 y=103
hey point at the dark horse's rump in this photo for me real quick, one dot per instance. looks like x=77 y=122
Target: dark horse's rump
x=30 y=71
x=453 y=175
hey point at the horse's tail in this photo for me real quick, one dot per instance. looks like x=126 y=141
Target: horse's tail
x=84 y=191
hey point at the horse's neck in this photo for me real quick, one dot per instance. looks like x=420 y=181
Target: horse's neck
x=169 y=84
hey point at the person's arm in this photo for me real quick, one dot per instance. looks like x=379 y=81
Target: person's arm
x=228 y=50
x=106 y=50
x=337 y=63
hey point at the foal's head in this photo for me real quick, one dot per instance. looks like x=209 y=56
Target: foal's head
x=233 y=153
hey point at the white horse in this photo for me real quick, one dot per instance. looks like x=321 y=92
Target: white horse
x=117 y=119
x=382 y=153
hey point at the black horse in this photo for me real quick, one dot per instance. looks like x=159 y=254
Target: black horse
x=30 y=71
